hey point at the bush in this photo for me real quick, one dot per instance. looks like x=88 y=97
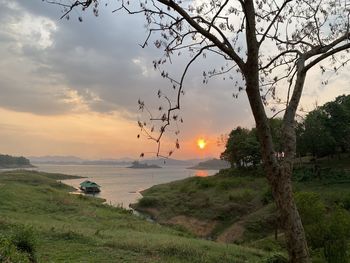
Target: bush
x=310 y=207
x=24 y=240
x=204 y=183
x=267 y=196
x=9 y=252
x=148 y=202
x=337 y=236
x=303 y=174
x=330 y=232
x=243 y=195
x=346 y=202
x=276 y=258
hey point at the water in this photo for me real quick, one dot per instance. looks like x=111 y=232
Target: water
x=120 y=185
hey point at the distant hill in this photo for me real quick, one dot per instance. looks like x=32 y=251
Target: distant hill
x=213 y=164
x=66 y=160
x=137 y=165
x=55 y=159
x=8 y=162
x=170 y=162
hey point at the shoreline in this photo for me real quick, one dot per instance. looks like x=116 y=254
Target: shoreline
x=17 y=167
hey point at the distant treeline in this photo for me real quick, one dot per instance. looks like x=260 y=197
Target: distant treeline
x=7 y=161
x=324 y=131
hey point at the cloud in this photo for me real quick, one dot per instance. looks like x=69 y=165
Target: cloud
x=60 y=67
x=99 y=56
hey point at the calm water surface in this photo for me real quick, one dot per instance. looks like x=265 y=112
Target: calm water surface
x=121 y=185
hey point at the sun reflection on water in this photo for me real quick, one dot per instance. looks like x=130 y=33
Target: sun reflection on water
x=201 y=173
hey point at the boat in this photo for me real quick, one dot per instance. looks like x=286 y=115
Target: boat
x=90 y=187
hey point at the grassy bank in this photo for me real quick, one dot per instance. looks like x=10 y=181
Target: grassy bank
x=39 y=217
x=236 y=206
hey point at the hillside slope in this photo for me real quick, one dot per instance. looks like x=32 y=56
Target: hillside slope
x=75 y=228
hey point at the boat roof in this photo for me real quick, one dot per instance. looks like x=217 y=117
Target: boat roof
x=89 y=184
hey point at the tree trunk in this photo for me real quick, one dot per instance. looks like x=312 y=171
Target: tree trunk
x=290 y=220
x=279 y=175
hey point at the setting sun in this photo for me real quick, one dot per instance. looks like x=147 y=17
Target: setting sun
x=201 y=143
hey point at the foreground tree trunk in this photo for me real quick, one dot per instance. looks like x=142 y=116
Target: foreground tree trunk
x=279 y=173
x=279 y=176
x=281 y=186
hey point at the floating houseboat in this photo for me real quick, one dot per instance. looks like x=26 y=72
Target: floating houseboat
x=90 y=187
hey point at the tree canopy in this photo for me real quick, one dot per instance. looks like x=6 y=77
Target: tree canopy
x=326 y=130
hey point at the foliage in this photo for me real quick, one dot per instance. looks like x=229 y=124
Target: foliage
x=338 y=121
x=327 y=231
x=326 y=130
x=24 y=239
x=308 y=173
x=7 y=161
x=242 y=147
x=148 y=202
x=337 y=236
x=276 y=258
x=310 y=207
x=10 y=253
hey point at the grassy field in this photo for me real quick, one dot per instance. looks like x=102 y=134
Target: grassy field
x=38 y=213
x=237 y=206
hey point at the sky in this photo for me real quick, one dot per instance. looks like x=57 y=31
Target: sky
x=71 y=88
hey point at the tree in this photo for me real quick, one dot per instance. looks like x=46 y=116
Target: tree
x=314 y=136
x=338 y=121
x=242 y=148
x=325 y=130
x=269 y=44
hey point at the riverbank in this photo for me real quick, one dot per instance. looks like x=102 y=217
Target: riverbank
x=236 y=206
x=61 y=227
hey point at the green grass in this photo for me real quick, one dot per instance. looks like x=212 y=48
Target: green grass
x=75 y=228
x=243 y=196
x=222 y=199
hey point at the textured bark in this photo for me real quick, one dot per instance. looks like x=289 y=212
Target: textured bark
x=279 y=177
x=290 y=219
x=278 y=173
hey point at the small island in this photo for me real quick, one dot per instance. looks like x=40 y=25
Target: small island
x=213 y=164
x=138 y=165
x=11 y=162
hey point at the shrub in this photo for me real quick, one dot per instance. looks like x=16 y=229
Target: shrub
x=303 y=174
x=337 y=236
x=148 y=202
x=329 y=232
x=10 y=253
x=243 y=195
x=24 y=239
x=276 y=258
x=310 y=207
x=205 y=183
x=267 y=196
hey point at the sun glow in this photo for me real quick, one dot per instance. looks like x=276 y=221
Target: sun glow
x=201 y=143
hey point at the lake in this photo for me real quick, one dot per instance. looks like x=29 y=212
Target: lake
x=120 y=185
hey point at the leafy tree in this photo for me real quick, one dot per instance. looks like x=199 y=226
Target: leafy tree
x=325 y=130
x=10 y=161
x=315 y=137
x=267 y=44
x=242 y=148
x=338 y=121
